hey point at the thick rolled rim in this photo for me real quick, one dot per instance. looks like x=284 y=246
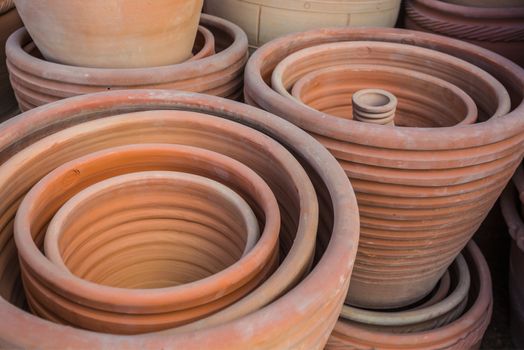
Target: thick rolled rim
x=338 y=258
x=459 y=136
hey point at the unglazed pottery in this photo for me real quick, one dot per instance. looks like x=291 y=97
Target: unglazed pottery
x=9 y=22
x=272 y=313
x=437 y=311
x=486 y=3
x=115 y=34
x=37 y=81
x=499 y=28
x=422 y=192
x=465 y=332
x=265 y=20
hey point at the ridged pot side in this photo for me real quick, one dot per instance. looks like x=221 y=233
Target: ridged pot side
x=283 y=323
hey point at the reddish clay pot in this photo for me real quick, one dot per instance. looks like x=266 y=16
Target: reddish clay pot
x=497 y=28
x=120 y=34
x=272 y=311
x=204 y=44
x=440 y=309
x=37 y=82
x=511 y=207
x=9 y=22
x=422 y=192
x=466 y=332
x=424 y=101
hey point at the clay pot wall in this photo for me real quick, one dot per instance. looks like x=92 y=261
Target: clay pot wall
x=499 y=28
x=37 y=81
x=265 y=20
x=275 y=312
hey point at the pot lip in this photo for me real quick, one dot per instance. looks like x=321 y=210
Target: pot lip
x=130 y=76
x=510 y=212
x=175 y=178
x=455 y=10
x=337 y=261
x=62 y=281
x=445 y=138
x=209 y=44
x=461 y=327
x=312 y=77
x=411 y=317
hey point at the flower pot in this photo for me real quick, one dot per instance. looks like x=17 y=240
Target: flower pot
x=265 y=20
x=120 y=34
x=465 y=332
x=422 y=192
x=37 y=81
x=498 y=28
x=271 y=310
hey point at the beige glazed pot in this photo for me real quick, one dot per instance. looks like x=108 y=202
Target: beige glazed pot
x=112 y=34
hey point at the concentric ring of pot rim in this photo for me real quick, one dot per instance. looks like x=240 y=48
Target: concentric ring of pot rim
x=209 y=44
x=478 y=13
x=55 y=230
x=131 y=76
x=337 y=261
x=491 y=131
x=314 y=76
x=95 y=295
x=476 y=317
x=411 y=317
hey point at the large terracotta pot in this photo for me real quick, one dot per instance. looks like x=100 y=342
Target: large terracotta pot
x=274 y=313
x=513 y=212
x=422 y=192
x=116 y=34
x=37 y=81
x=265 y=20
x=9 y=22
x=466 y=332
x=497 y=28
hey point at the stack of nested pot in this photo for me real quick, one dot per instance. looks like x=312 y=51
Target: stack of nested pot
x=152 y=219
x=9 y=22
x=497 y=25
x=265 y=20
x=424 y=127
x=512 y=204
x=75 y=47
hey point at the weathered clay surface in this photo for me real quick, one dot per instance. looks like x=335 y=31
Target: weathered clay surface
x=422 y=192
x=277 y=315
x=498 y=28
x=115 y=34
x=37 y=81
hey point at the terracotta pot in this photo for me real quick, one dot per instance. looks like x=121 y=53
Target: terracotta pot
x=77 y=33
x=37 y=82
x=510 y=206
x=486 y=3
x=439 y=310
x=204 y=44
x=9 y=22
x=424 y=101
x=265 y=20
x=498 y=28
x=272 y=310
x=466 y=332
x=422 y=192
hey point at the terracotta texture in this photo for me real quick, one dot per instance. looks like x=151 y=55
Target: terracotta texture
x=6 y=5
x=265 y=20
x=497 y=28
x=37 y=82
x=512 y=210
x=441 y=308
x=422 y=192
x=466 y=332
x=116 y=34
x=9 y=22
x=274 y=313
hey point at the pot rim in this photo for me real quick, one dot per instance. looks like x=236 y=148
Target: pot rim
x=455 y=10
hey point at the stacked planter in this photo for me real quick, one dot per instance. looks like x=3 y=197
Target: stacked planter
x=495 y=25
x=100 y=137
x=424 y=184
x=265 y=20
x=513 y=211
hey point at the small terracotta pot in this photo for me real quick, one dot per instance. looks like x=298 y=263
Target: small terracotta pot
x=77 y=33
x=37 y=81
x=422 y=192
x=272 y=311
x=499 y=28
x=439 y=310
x=9 y=22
